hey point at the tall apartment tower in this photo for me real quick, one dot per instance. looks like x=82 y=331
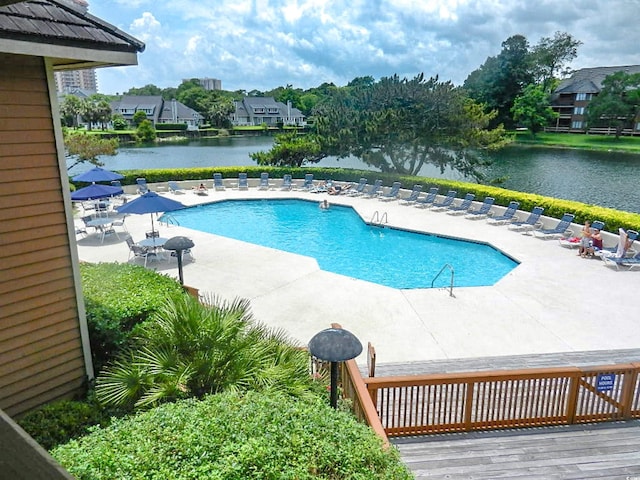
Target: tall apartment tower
x=69 y=80
x=210 y=83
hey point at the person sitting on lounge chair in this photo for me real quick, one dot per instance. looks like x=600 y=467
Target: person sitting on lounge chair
x=338 y=189
x=201 y=189
x=596 y=243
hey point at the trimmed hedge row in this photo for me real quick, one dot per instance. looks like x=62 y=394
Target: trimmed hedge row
x=553 y=207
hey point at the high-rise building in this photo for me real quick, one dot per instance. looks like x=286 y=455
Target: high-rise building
x=69 y=80
x=210 y=83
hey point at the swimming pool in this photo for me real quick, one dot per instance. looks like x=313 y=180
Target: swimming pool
x=344 y=244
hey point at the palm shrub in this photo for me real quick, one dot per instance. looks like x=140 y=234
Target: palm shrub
x=189 y=349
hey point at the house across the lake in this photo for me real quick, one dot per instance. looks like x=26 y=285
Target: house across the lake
x=571 y=99
x=265 y=110
x=157 y=109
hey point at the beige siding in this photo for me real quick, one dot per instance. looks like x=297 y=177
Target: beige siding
x=41 y=356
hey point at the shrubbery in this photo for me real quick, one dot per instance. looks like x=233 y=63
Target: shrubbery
x=118 y=297
x=234 y=436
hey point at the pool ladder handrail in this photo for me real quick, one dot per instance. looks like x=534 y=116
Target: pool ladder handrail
x=170 y=220
x=378 y=219
x=445 y=266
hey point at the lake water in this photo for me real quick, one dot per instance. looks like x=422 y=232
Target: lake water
x=600 y=178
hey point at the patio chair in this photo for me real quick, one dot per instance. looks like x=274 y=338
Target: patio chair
x=627 y=248
x=413 y=196
x=374 y=189
x=264 y=181
x=446 y=202
x=218 y=184
x=174 y=187
x=359 y=188
x=482 y=212
x=428 y=199
x=136 y=251
x=507 y=216
x=286 y=182
x=464 y=205
x=142 y=185
x=562 y=229
x=392 y=194
x=119 y=222
x=243 y=183
x=531 y=222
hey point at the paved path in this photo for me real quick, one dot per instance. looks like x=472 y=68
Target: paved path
x=552 y=302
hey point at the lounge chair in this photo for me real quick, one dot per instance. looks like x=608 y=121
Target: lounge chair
x=463 y=206
x=531 y=222
x=218 y=184
x=626 y=250
x=286 y=182
x=629 y=262
x=142 y=185
x=174 y=187
x=391 y=194
x=243 y=183
x=482 y=211
x=307 y=185
x=374 y=189
x=264 y=181
x=562 y=229
x=428 y=199
x=446 y=202
x=358 y=189
x=413 y=196
x=507 y=216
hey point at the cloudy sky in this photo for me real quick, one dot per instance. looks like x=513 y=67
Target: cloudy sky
x=263 y=44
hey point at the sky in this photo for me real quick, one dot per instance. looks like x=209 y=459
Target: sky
x=264 y=44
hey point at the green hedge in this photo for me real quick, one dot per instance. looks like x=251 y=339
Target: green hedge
x=171 y=126
x=118 y=297
x=553 y=207
x=233 y=436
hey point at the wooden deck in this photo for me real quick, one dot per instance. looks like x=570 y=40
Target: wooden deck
x=609 y=450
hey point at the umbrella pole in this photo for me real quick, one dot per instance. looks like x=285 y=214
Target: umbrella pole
x=152 y=227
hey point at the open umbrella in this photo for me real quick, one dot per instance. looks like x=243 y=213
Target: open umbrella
x=95 y=191
x=97 y=174
x=151 y=203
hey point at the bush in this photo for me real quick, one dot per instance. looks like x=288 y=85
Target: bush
x=233 y=436
x=118 y=297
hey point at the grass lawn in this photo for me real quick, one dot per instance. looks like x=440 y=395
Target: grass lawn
x=573 y=140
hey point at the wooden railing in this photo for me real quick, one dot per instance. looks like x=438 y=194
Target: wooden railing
x=422 y=404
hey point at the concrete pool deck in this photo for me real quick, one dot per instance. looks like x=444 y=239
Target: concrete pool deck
x=554 y=301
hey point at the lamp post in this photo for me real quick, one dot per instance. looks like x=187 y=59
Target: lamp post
x=178 y=245
x=334 y=345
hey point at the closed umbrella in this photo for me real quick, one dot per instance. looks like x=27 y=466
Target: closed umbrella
x=95 y=191
x=97 y=174
x=151 y=203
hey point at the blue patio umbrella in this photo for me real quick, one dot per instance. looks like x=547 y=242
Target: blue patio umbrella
x=151 y=203
x=97 y=174
x=95 y=191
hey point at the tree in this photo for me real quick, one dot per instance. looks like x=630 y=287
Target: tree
x=148 y=89
x=119 y=122
x=291 y=150
x=96 y=109
x=70 y=109
x=219 y=111
x=139 y=117
x=190 y=349
x=145 y=133
x=87 y=148
x=618 y=103
x=550 y=55
x=396 y=125
x=532 y=109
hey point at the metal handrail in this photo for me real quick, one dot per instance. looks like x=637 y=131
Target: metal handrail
x=168 y=219
x=446 y=265
x=378 y=219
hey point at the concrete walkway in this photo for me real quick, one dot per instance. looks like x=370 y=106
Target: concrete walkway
x=553 y=301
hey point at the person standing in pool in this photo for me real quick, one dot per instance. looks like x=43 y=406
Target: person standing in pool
x=324 y=204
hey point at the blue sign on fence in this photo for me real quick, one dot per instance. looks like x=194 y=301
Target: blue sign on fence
x=605 y=382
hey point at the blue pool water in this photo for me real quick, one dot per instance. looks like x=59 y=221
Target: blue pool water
x=342 y=243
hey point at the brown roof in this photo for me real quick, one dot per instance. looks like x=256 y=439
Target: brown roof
x=64 y=23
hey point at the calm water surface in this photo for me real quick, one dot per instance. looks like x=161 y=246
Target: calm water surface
x=600 y=178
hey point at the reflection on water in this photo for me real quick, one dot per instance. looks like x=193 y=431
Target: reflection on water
x=600 y=178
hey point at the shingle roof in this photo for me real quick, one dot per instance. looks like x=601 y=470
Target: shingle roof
x=589 y=80
x=62 y=22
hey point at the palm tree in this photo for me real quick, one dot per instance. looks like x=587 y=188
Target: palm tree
x=190 y=349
